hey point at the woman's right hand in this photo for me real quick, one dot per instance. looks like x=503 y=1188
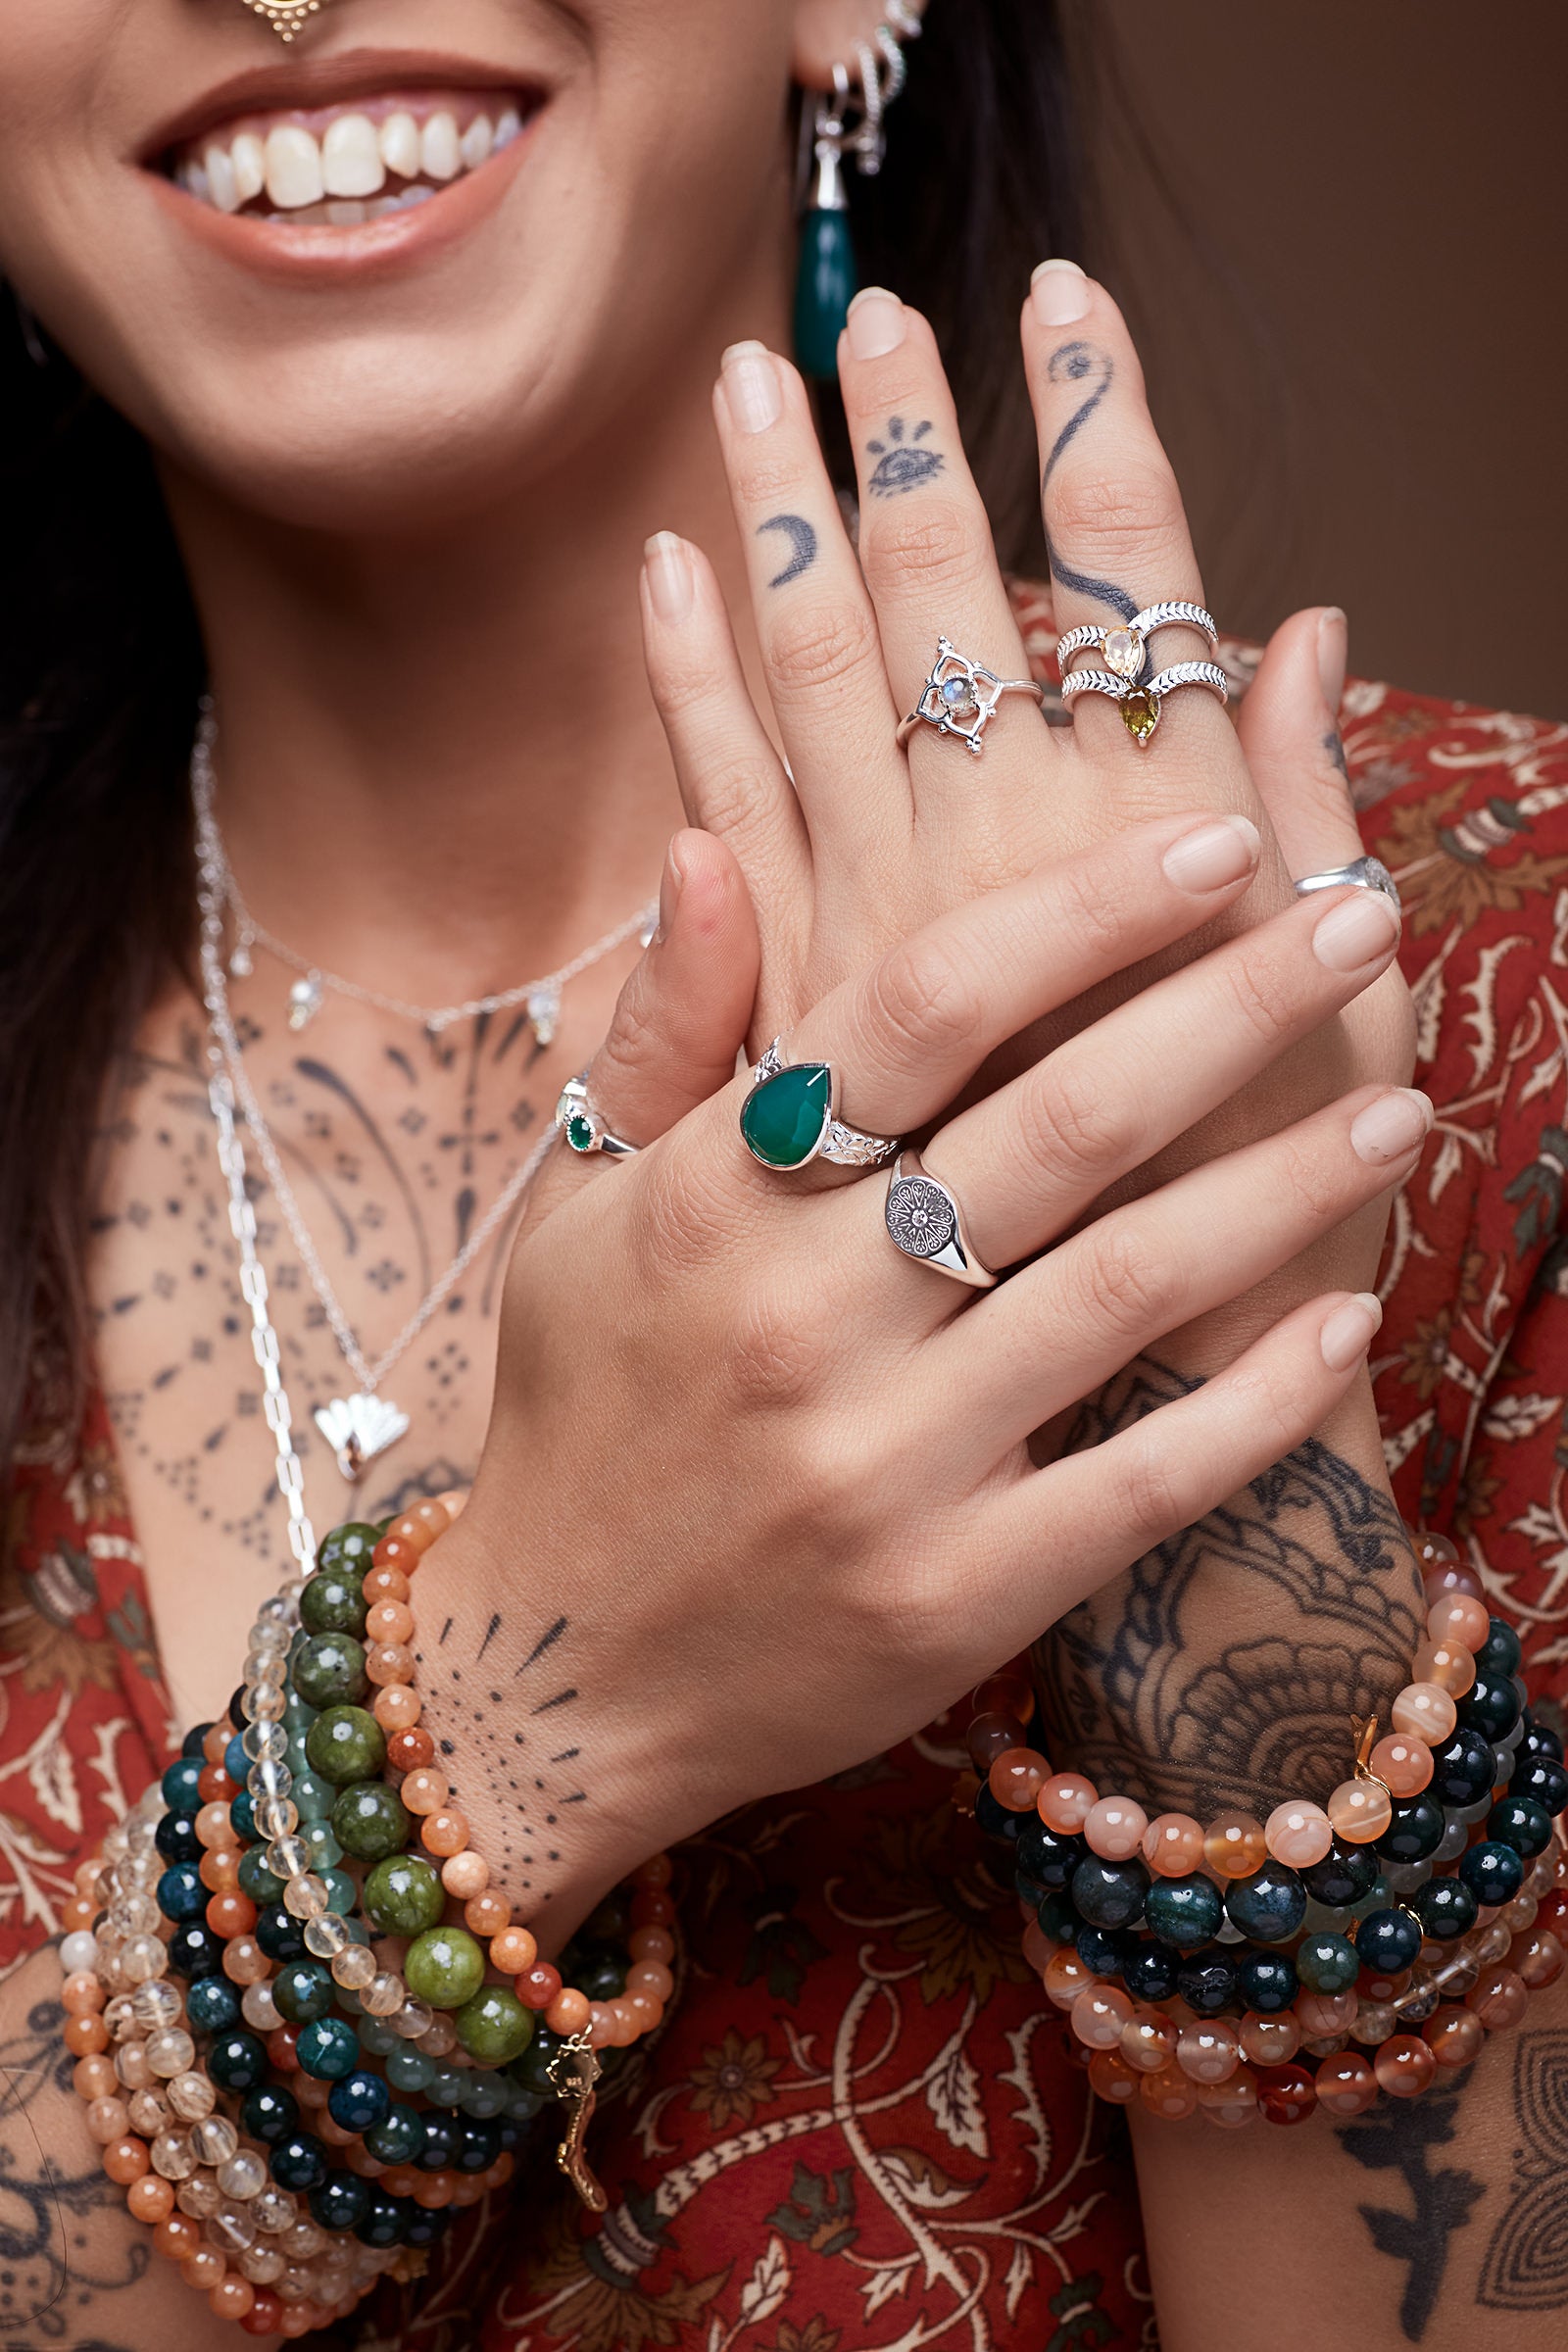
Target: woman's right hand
x=757 y=1501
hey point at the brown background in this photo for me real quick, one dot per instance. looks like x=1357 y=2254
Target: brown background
x=1339 y=232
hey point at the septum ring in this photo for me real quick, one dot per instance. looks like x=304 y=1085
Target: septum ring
x=285 y=16
x=924 y=1220
x=583 y=1126
x=1125 y=647
x=1141 y=705
x=960 y=697
x=1361 y=873
x=790 y=1118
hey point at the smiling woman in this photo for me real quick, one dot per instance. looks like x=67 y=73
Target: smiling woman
x=501 y=1520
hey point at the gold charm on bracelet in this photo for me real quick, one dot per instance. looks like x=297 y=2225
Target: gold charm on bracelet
x=574 y=2071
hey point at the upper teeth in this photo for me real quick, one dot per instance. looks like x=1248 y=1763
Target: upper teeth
x=354 y=157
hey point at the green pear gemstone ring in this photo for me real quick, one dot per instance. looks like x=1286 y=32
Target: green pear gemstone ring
x=789 y=1118
x=583 y=1128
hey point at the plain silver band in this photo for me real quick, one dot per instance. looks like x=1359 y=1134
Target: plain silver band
x=1362 y=873
x=1163 y=682
x=917 y=719
x=845 y=1146
x=572 y=1101
x=1174 y=611
x=956 y=1258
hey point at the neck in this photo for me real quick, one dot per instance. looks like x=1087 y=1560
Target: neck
x=439 y=767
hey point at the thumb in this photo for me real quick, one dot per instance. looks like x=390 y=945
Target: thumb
x=1288 y=729
x=681 y=1019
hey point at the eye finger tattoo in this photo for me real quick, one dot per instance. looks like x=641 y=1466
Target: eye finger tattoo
x=803 y=545
x=901 y=462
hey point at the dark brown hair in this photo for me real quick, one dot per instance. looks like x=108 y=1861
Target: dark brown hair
x=101 y=662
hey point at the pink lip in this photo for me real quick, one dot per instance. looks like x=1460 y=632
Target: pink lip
x=329 y=256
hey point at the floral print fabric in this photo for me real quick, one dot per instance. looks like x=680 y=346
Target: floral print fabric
x=858 y=2128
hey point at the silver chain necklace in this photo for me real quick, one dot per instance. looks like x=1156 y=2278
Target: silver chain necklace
x=361 y=1426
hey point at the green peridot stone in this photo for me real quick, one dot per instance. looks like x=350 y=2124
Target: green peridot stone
x=579 y=1132
x=785 y=1119
x=370 y=1822
x=332 y=1601
x=344 y=1744
x=403 y=1896
x=329 y=1670
x=445 y=1966
x=347 y=1549
x=494 y=2026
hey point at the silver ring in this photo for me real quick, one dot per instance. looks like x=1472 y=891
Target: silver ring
x=790 y=1118
x=1125 y=647
x=1362 y=873
x=1141 y=705
x=926 y=1222
x=583 y=1128
x=960 y=697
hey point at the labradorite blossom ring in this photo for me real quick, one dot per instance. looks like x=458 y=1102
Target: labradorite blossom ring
x=1125 y=647
x=926 y=1222
x=1362 y=873
x=790 y=1118
x=1141 y=705
x=583 y=1128
x=960 y=697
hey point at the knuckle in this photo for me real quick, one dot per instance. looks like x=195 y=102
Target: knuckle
x=1261 y=994
x=820 y=644
x=1089 y=506
x=924 y=540
x=1085 y=910
x=729 y=793
x=1311 y=1178
x=1154 y=1490
x=682 y=692
x=1129 y=1293
x=1073 y=1121
x=917 y=1000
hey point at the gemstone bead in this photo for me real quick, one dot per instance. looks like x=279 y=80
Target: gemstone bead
x=1345 y=2085
x=784 y=1120
x=1270 y=1905
x=1269 y=2040
x=1114 y=1828
x=1426 y=1711
x=1097 y=2016
x=303 y=1992
x=344 y=1744
x=1543 y=1779
x=1327 y=1963
x=1498 y=1998
x=444 y=1966
x=1298 y=1834
x=1446 y=1664
x=1169 y=2094
x=1326 y=2013
x=359 y=2100
x=1015 y=1779
x=1388 y=1940
x=1207 y=1983
x=348 y=1550
x=398 y=2138
x=1454 y=2036
x=1045 y=1856
x=1148 y=2041
x=1519 y=1822
x=329 y=1670
x=1358 y=1811
x=1184 y=1913
x=369 y=1821
x=1500 y=1652
x=494 y=2026
x=1459 y=1617
x=1208 y=2052
x=1404 y=2066
x=1234 y=1846
x=1230 y=2103
x=270 y=2113
x=1151 y=1973
x=341 y=2202
x=1493 y=1871
x=1492 y=1705
x=1173 y=1846
x=1113 y=2077
x=1414 y=1831
x=1266 y=1981
x=1103 y=1949
x=237 y=2061
x=328 y=2049
x=1109 y=1895
x=1066 y=1802
x=1402 y=1764
x=1536 y=1957
x=1345 y=1874
x=333 y=1602
x=1286 y=2095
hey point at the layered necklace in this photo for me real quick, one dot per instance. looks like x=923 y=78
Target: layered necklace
x=362 y=1423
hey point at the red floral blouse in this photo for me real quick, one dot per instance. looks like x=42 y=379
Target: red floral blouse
x=857 y=2128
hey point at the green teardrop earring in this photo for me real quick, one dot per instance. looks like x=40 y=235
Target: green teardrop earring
x=827 y=280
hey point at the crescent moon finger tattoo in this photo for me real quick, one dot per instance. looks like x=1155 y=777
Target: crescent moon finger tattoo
x=803 y=545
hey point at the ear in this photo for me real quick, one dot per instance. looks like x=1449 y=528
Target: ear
x=825 y=34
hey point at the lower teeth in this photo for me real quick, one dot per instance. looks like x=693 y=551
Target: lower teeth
x=337 y=212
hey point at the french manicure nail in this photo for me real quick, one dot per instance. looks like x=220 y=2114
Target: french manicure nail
x=1212 y=854
x=1061 y=293
x=877 y=324
x=752 y=387
x=1358 y=929
x=1333 y=650
x=669 y=576
x=1350 y=1330
x=1392 y=1126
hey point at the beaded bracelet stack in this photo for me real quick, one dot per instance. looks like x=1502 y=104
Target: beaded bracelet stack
x=220 y=1909
x=1200 y=1967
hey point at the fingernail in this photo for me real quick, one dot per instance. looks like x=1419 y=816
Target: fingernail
x=752 y=387
x=1333 y=648
x=668 y=568
x=1355 y=931
x=1392 y=1126
x=1212 y=854
x=671 y=882
x=877 y=322
x=1061 y=293
x=1350 y=1330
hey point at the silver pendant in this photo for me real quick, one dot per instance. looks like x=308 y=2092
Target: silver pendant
x=544 y=1012
x=357 y=1428
x=304 y=1001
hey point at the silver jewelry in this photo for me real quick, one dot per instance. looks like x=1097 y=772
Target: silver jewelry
x=960 y=697
x=583 y=1128
x=361 y=1426
x=1362 y=873
x=1141 y=705
x=926 y=1222
x=540 y=998
x=813 y=1130
x=1125 y=647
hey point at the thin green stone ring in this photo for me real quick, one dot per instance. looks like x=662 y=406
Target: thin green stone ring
x=583 y=1128
x=788 y=1118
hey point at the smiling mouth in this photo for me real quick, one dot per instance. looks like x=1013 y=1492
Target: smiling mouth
x=339 y=167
